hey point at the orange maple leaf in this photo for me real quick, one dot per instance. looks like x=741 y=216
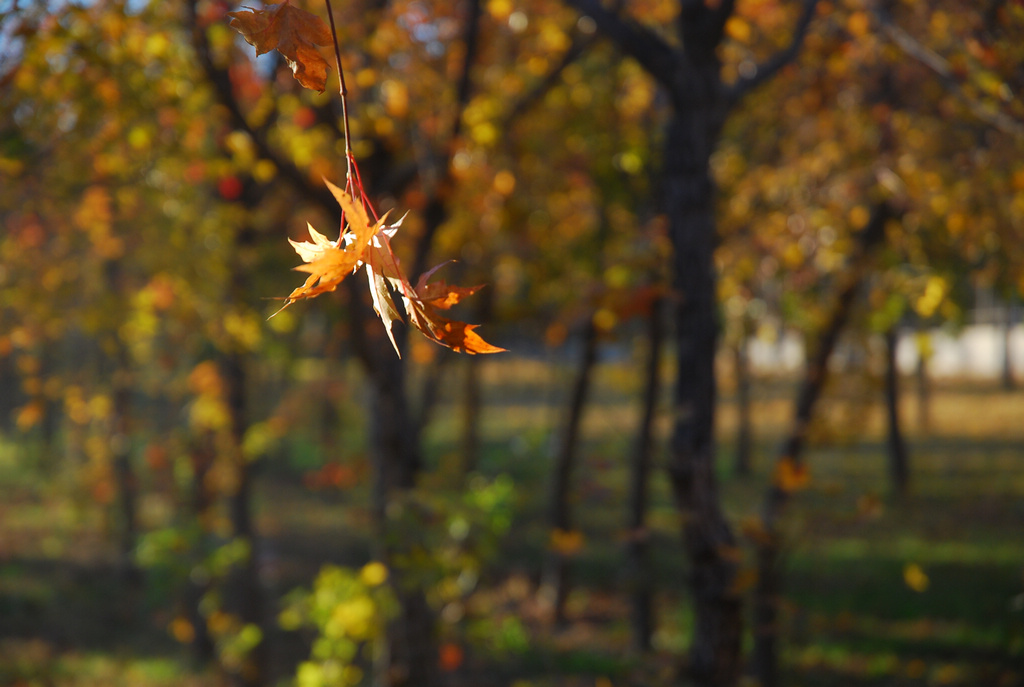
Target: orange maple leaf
x=422 y=302
x=365 y=244
x=327 y=262
x=294 y=33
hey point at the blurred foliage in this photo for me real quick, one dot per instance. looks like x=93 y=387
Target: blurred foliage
x=143 y=246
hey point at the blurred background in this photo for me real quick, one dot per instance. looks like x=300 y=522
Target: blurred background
x=799 y=225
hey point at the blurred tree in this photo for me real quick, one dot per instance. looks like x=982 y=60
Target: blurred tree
x=894 y=99
x=689 y=67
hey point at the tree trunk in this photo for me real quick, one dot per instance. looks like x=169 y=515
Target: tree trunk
x=637 y=563
x=395 y=457
x=471 y=416
x=244 y=590
x=744 y=433
x=768 y=592
x=710 y=545
x=395 y=462
x=201 y=454
x=1009 y=384
x=471 y=393
x=127 y=482
x=924 y=391
x=559 y=515
x=899 y=468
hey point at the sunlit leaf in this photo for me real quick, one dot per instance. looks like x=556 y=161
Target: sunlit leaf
x=294 y=33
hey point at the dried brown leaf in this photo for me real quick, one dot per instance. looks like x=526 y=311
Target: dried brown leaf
x=294 y=33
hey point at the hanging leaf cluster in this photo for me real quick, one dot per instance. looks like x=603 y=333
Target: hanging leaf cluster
x=295 y=33
x=368 y=244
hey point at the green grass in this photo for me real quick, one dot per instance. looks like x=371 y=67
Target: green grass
x=850 y=615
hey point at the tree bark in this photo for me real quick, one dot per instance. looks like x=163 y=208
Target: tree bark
x=244 y=589
x=471 y=399
x=767 y=593
x=395 y=457
x=127 y=482
x=201 y=455
x=395 y=463
x=1009 y=383
x=559 y=512
x=472 y=395
x=710 y=545
x=637 y=561
x=744 y=432
x=899 y=463
x=924 y=392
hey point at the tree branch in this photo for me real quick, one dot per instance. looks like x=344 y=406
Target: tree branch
x=579 y=45
x=779 y=60
x=576 y=49
x=941 y=67
x=656 y=56
x=701 y=27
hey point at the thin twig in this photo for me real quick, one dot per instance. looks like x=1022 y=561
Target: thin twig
x=343 y=92
x=779 y=60
x=944 y=70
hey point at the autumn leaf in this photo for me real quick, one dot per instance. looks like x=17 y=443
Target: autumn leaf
x=294 y=33
x=791 y=476
x=328 y=262
x=915 y=577
x=422 y=302
x=369 y=245
x=439 y=294
x=456 y=335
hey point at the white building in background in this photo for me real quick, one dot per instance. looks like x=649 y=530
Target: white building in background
x=976 y=351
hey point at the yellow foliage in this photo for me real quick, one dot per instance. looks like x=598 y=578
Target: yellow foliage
x=396 y=98
x=504 y=182
x=209 y=413
x=738 y=29
x=352 y=618
x=859 y=24
x=373 y=574
x=500 y=9
x=29 y=415
x=915 y=577
x=934 y=293
x=859 y=216
x=182 y=630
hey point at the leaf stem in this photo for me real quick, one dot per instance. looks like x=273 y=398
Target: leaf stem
x=343 y=91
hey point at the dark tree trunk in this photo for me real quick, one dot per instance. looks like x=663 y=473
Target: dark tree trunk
x=899 y=463
x=471 y=399
x=202 y=456
x=744 y=432
x=121 y=443
x=768 y=592
x=637 y=562
x=471 y=394
x=244 y=590
x=924 y=393
x=559 y=513
x=395 y=457
x=127 y=482
x=708 y=539
x=1009 y=383
x=395 y=462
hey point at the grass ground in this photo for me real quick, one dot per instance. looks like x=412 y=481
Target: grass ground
x=928 y=591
